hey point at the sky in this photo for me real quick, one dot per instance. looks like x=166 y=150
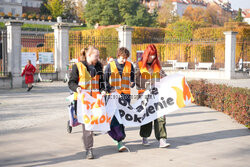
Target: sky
x=236 y=4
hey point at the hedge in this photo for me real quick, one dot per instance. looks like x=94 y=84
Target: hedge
x=138 y=33
x=233 y=101
x=187 y=51
x=217 y=32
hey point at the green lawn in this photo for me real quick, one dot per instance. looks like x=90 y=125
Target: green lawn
x=1 y=25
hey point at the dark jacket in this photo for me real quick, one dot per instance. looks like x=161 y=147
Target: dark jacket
x=120 y=67
x=93 y=70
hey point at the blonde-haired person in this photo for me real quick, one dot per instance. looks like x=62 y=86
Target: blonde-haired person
x=88 y=65
x=82 y=56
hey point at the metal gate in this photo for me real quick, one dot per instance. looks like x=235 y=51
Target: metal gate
x=3 y=54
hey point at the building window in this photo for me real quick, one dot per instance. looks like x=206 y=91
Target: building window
x=13 y=11
x=1 y=9
x=13 y=1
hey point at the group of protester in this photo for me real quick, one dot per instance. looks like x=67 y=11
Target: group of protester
x=119 y=75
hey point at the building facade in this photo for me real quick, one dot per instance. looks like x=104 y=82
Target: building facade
x=17 y=7
x=246 y=15
x=31 y=6
x=11 y=6
x=32 y=3
x=179 y=6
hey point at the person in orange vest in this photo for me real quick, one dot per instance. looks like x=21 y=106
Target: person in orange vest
x=119 y=76
x=87 y=75
x=148 y=71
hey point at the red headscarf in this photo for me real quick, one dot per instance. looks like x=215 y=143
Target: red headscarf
x=151 y=50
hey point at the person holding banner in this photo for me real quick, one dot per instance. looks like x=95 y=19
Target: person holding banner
x=119 y=76
x=87 y=75
x=148 y=72
x=29 y=71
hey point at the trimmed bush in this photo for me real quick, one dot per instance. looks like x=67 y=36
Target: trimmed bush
x=10 y=15
x=234 y=102
x=49 y=17
x=24 y=15
x=217 y=33
x=30 y=16
x=2 y=14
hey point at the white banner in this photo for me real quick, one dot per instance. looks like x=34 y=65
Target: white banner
x=93 y=112
x=170 y=94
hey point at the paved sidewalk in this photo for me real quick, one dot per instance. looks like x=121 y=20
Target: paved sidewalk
x=33 y=133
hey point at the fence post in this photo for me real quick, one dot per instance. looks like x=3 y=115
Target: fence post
x=14 y=52
x=230 y=50
x=125 y=38
x=61 y=34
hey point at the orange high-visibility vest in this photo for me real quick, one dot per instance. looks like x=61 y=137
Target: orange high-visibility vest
x=121 y=84
x=86 y=82
x=145 y=74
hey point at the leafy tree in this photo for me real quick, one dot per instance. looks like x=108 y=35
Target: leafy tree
x=106 y=12
x=165 y=14
x=56 y=7
x=182 y=29
x=110 y=13
x=80 y=10
x=212 y=15
x=195 y=14
x=239 y=17
x=43 y=9
x=143 y=18
x=128 y=9
x=154 y=17
x=69 y=10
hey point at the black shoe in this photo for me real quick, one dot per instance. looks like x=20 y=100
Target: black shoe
x=30 y=88
x=89 y=154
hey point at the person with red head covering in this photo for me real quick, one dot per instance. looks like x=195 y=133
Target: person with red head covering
x=148 y=72
x=29 y=71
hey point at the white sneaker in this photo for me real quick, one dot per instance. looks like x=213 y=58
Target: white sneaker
x=145 y=141
x=163 y=143
x=121 y=147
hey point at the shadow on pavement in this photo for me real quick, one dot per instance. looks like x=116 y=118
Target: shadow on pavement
x=134 y=146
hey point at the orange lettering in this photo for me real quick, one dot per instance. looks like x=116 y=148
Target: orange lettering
x=86 y=119
x=102 y=119
x=108 y=119
x=92 y=105
x=94 y=120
